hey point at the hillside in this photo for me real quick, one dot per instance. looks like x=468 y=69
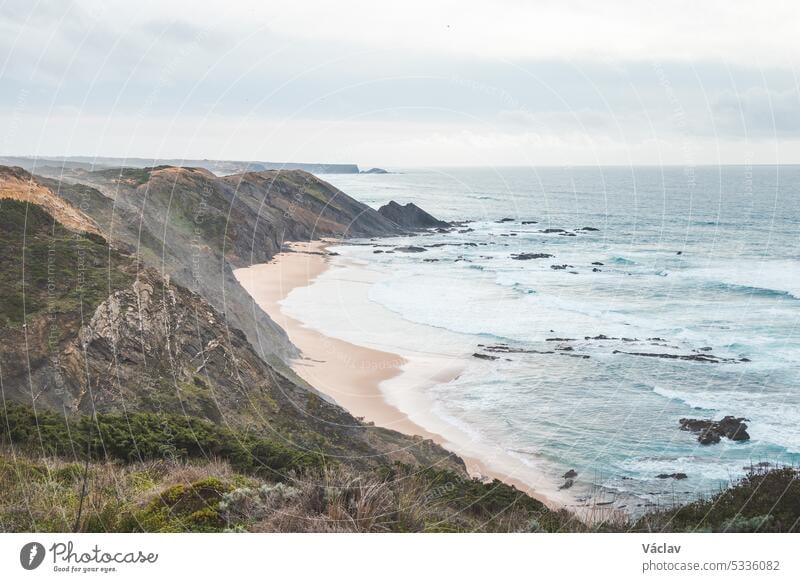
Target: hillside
x=86 y=327
x=197 y=228
x=116 y=373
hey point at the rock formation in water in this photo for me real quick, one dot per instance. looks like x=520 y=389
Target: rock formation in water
x=410 y=216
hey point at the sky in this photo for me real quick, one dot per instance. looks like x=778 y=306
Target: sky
x=404 y=84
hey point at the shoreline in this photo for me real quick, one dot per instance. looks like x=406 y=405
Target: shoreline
x=351 y=374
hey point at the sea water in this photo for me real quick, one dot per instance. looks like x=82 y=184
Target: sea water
x=683 y=261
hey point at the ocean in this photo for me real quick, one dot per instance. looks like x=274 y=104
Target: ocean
x=701 y=263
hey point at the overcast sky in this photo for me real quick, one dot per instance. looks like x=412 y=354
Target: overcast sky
x=400 y=84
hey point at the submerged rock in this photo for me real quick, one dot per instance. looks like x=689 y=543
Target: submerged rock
x=687 y=357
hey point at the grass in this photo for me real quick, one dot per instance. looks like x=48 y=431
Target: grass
x=148 y=479
x=43 y=495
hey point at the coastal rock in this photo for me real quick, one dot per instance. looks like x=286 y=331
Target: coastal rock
x=410 y=249
x=567 y=484
x=686 y=357
x=676 y=476
x=484 y=356
x=375 y=171
x=529 y=256
x=571 y=474
x=711 y=431
x=506 y=349
x=410 y=216
x=502 y=220
x=553 y=230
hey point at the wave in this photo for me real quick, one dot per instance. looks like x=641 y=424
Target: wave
x=750 y=290
x=775 y=278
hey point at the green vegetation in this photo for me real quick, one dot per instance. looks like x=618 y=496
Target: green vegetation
x=146 y=436
x=164 y=473
x=764 y=501
x=48 y=269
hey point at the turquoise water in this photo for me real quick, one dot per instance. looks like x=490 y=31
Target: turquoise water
x=694 y=261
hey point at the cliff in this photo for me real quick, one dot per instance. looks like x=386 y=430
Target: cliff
x=89 y=326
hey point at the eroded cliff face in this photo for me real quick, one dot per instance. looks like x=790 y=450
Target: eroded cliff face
x=198 y=227
x=89 y=326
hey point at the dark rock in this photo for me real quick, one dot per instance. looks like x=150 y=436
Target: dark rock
x=529 y=222
x=711 y=431
x=708 y=358
x=410 y=249
x=596 y=270
x=506 y=349
x=484 y=356
x=502 y=220
x=598 y=263
x=529 y=256
x=558 y=267
x=590 y=229
x=553 y=230
x=571 y=474
x=677 y=476
x=375 y=171
x=567 y=484
x=410 y=216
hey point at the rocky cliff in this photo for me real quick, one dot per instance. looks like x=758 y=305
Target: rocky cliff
x=91 y=326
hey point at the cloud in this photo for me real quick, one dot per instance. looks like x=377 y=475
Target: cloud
x=759 y=112
x=507 y=80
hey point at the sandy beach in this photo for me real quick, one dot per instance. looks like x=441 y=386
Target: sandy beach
x=348 y=373
x=351 y=374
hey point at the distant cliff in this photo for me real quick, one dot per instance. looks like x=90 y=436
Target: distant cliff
x=55 y=165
